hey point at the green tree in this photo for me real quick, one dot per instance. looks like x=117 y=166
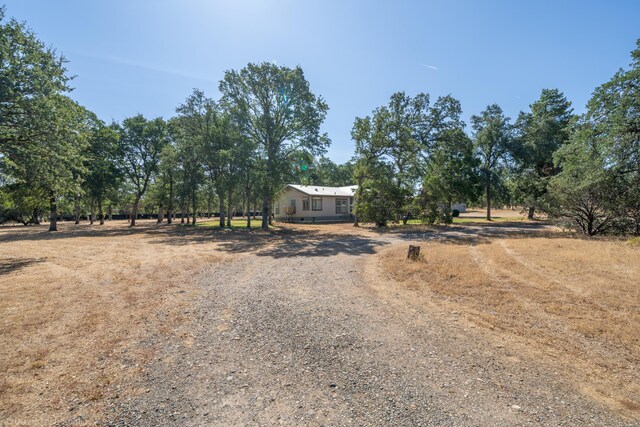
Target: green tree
x=378 y=197
x=493 y=135
x=275 y=108
x=324 y=171
x=540 y=133
x=103 y=172
x=167 y=171
x=141 y=142
x=372 y=145
x=598 y=188
x=56 y=157
x=452 y=170
x=401 y=135
x=29 y=73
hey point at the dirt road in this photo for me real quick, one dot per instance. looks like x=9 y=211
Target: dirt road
x=305 y=331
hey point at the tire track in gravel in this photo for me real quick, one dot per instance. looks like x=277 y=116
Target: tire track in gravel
x=294 y=339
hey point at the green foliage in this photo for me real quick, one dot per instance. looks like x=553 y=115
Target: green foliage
x=29 y=73
x=451 y=173
x=275 y=109
x=597 y=190
x=140 y=143
x=323 y=171
x=540 y=133
x=493 y=140
x=43 y=134
x=455 y=213
x=378 y=196
x=104 y=176
x=402 y=136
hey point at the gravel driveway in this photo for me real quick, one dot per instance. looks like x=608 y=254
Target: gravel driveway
x=298 y=333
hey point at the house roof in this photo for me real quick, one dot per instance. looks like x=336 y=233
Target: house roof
x=314 y=190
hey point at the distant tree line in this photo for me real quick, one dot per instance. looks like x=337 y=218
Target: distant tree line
x=227 y=155
x=413 y=158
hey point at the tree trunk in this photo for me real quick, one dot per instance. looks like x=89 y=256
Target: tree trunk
x=188 y=215
x=248 y=213
x=35 y=220
x=181 y=216
x=77 y=209
x=266 y=202
x=532 y=211
x=91 y=213
x=221 y=197
x=134 y=211
x=489 y=201
x=194 y=203
x=53 y=216
x=356 y=220
x=100 y=214
x=170 y=207
x=209 y=207
x=160 y=214
x=229 y=207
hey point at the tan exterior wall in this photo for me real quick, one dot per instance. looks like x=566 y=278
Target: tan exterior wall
x=328 y=207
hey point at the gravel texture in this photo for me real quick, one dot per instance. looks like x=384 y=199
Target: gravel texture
x=299 y=334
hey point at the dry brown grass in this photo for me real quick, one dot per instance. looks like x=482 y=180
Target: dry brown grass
x=573 y=303
x=77 y=310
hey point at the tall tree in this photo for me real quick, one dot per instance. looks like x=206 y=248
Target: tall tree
x=401 y=135
x=103 y=172
x=57 y=152
x=324 y=171
x=451 y=172
x=141 y=142
x=372 y=144
x=598 y=188
x=493 y=136
x=540 y=133
x=168 y=169
x=275 y=108
x=29 y=72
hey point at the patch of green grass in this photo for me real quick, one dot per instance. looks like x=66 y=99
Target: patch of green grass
x=635 y=241
x=236 y=223
x=468 y=220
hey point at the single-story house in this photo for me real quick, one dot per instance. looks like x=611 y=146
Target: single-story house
x=311 y=203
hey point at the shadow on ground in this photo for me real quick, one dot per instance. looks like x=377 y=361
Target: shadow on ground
x=14 y=264
x=471 y=233
x=285 y=241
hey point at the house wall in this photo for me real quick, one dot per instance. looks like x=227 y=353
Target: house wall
x=461 y=207
x=327 y=213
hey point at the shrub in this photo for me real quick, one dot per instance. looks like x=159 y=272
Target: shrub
x=455 y=213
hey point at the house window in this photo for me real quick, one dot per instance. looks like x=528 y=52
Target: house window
x=351 y=205
x=316 y=203
x=305 y=203
x=341 y=206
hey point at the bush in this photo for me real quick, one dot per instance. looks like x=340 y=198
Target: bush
x=455 y=213
x=434 y=214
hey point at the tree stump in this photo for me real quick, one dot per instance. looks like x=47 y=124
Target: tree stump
x=414 y=252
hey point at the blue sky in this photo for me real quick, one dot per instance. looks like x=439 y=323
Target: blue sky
x=145 y=56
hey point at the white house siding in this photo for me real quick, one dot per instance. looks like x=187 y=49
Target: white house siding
x=327 y=213
x=461 y=207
